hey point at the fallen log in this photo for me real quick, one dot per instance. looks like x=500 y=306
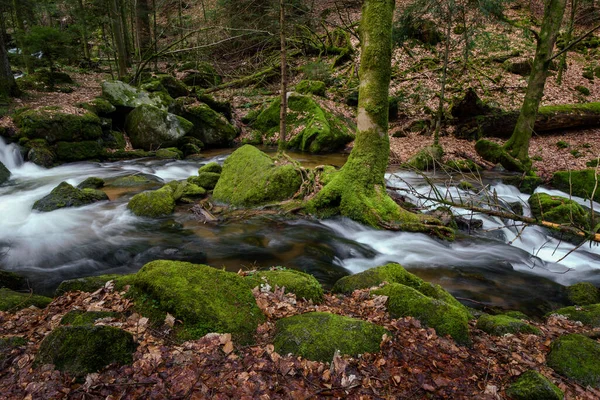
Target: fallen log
x=549 y=118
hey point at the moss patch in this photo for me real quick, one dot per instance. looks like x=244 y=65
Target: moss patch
x=91 y=183
x=204 y=298
x=583 y=293
x=211 y=167
x=150 y=128
x=317 y=336
x=92 y=283
x=13 y=301
x=81 y=318
x=207 y=180
x=250 y=177
x=532 y=385
x=493 y=152
x=589 y=315
x=427 y=158
x=120 y=94
x=11 y=280
x=301 y=284
x=77 y=151
x=132 y=181
x=65 y=195
x=79 y=350
x=53 y=126
x=559 y=210
x=499 y=325
x=311 y=87
x=153 y=204
x=209 y=126
x=580 y=183
x=577 y=357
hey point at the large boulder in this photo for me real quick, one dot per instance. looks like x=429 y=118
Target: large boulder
x=210 y=127
x=79 y=350
x=532 y=385
x=151 y=128
x=54 y=125
x=4 y=173
x=303 y=285
x=122 y=95
x=154 y=203
x=310 y=127
x=205 y=299
x=318 y=335
x=40 y=153
x=577 y=357
x=13 y=301
x=580 y=183
x=78 y=151
x=65 y=195
x=250 y=177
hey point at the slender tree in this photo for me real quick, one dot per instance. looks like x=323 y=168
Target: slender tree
x=119 y=39
x=142 y=15
x=8 y=86
x=283 y=111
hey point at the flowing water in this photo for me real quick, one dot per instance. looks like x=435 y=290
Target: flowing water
x=497 y=265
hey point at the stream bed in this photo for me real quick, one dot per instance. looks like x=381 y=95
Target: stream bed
x=498 y=265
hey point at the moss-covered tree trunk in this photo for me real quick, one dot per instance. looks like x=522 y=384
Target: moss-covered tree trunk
x=518 y=144
x=8 y=86
x=358 y=190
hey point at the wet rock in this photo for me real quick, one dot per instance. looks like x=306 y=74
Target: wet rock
x=4 y=173
x=65 y=195
x=153 y=204
x=151 y=128
x=583 y=293
x=91 y=183
x=209 y=126
x=54 y=125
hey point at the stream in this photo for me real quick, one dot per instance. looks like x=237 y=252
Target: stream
x=498 y=265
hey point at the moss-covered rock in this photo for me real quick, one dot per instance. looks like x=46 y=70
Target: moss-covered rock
x=493 y=152
x=92 y=283
x=318 y=335
x=445 y=318
x=153 y=204
x=13 y=301
x=81 y=318
x=310 y=127
x=580 y=183
x=99 y=106
x=150 y=128
x=113 y=140
x=250 y=177
x=532 y=385
x=173 y=86
x=518 y=66
x=583 y=294
x=589 y=315
x=11 y=280
x=171 y=153
x=204 y=298
x=462 y=166
x=559 y=210
x=65 y=195
x=91 y=183
x=577 y=357
x=517 y=315
x=53 y=125
x=211 y=167
x=40 y=153
x=79 y=350
x=311 y=87
x=426 y=158
x=499 y=325
x=526 y=183
x=203 y=75
x=8 y=344
x=4 y=174
x=209 y=126
x=207 y=180
x=301 y=284
x=133 y=181
x=122 y=95
x=77 y=151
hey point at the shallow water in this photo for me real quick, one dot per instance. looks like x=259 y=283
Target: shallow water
x=498 y=265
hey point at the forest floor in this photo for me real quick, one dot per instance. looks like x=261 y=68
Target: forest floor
x=413 y=363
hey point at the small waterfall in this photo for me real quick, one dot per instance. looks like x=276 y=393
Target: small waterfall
x=10 y=155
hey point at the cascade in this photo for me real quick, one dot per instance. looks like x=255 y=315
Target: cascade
x=10 y=155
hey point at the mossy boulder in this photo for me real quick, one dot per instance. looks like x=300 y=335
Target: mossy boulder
x=317 y=88
x=171 y=153
x=494 y=153
x=53 y=125
x=250 y=177
x=173 y=86
x=310 y=127
x=589 y=314
x=4 y=174
x=91 y=183
x=580 y=183
x=153 y=204
x=207 y=180
x=532 y=385
x=318 y=335
x=124 y=96
x=583 y=294
x=11 y=280
x=209 y=126
x=301 y=284
x=445 y=318
x=77 y=151
x=133 y=181
x=211 y=167
x=150 y=128
x=65 y=195
x=92 y=283
x=576 y=357
x=499 y=325
x=558 y=209
x=81 y=318
x=426 y=158
x=13 y=301
x=205 y=299
x=462 y=165
x=526 y=183
x=99 y=106
x=40 y=153
x=518 y=66
x=79 y=350
x=185 y=190
x=221 y=106
x=203 y=75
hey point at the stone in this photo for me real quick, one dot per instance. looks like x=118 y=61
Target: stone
x=576 y=357
x=499 y=325
x=65 y=195
x=303 y=285
x=532 y=385
x=151 y=128
x=153 y=204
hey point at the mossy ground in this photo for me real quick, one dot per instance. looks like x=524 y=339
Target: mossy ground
x=317 y=336
x=532 y=385
x=92 y=283
x=577 y=357
x=589 y=314
x=301 y=284
x=12 y=301
x=499 y=325
x=81 y=318
x=579 y=183
x=583 y=293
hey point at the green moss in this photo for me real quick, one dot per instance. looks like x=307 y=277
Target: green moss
x=462 y=166
x=301 y=284
x=151 y=128
x=65 y=195
x=391 y=273
x=499 y=325
x=92 y=283
x=583 y=90
x=532 y=385
x=589 y=314
x=81 y=318
x=204 y=298
x=132 y=181
x=517 y=315
x=11 y=280
x=40 y=153
x=207 y=180
x=467 y=186
x=317 y=336
x=446 y=319
x=99 y=106
x=309 y=126
x=525 y=183
x=559 y=210
x=493 y=152
x=79 y=350
x=204 y=75
x=77 y=151
x=580 y=183
x=170 y=153
x=209 y=126
x=54 y=126
x=583 y=293
x=577 y=357
x=120 y=94
x=427 y=158
x=561 y=144
x=211 y=167
x=91 y=183
x=13 y=301
x=250 y=177
x=153 y=204
x=311 y=87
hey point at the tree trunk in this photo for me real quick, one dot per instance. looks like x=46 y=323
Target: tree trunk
x=125 y=32
x=84 y=31
x=562 y=65
x=143 y=27
x=8 y=86
x=118 y=35
x=283 y=111
x=518 y=144
x=358 y=190
x=440 y=112
x=20 y=28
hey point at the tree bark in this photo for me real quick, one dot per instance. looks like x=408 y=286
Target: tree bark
x=118 y=35
x=84 y=31
x=518 y=144
x=143 y=27
x=283 y=111
x=8 y=86
x=20 y=28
